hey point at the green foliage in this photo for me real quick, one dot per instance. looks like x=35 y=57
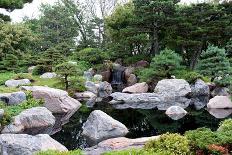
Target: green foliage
x=66 y=70
x=5 y=76
x=190 y=76
x=23 y=76
x=135 y=58
x=11 y=111
x=172 y=144
x=77 y=84
x=91 y=55
x=146 y=74
x=225 y=126
x=40 y=69
x=214 y=63
x=52 y=152
x=134 y=152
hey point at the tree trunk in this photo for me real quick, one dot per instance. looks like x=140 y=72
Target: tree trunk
x=194 y=58
x=66 y=82
x=154 y=42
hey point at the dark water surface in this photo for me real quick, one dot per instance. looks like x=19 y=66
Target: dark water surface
x=141 y=123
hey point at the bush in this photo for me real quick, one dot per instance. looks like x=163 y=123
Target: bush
x=225 y=126
x=91 y=55
x=23 y=76
x=146 y=74
x=135 y=58
x=172 y=144
x=40 y=69
x=189 y=76
x=77 y=84
x=53 y=152
x=134 y=152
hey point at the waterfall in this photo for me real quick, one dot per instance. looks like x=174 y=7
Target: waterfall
x=117 y=77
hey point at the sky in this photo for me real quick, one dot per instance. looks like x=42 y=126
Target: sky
x=31 y=10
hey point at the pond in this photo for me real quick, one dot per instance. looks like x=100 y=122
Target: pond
x=141 y=123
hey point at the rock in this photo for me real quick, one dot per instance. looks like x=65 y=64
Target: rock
x=105 y=89
x=173 y=87
x=141 y=64
x=30 y=69
x=88 y=76
x=131 y=80
x=199 y=102
x=38 y=120
x=128 y=71
x=175 y=112
x=147 y=101
x=22 y=144
x=212 y=86
x=200 y=88
x=90 y=86
x=220 y=102
x=220 y=91
x=13 y=98
x=57 y=101
x=16 y=83
x=84 y=96
x=97 y=78
x=48 y=75
x=100 y=126
x=116 y=144
x=137 y=88
x=106 y=75
x=220 y=113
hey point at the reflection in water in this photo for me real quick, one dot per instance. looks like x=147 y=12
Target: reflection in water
x=220 y=113
x=141 y=123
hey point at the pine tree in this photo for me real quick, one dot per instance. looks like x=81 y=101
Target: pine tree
x=214 y=63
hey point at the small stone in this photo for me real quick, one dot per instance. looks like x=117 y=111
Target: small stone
x=137 y=88
x=48 y=75
x=16 y=83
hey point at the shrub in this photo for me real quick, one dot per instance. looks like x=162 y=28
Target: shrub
x=134 y=152
x=40 y=69
x=91 y=55
x=190 y=76
x=135 y=58
x=225 y=126
x=23 y=76
x=53 y=152
x=146 y=74
x=77 y=84
x=172 y=144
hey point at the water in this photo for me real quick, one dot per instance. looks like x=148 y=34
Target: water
x=141 y=123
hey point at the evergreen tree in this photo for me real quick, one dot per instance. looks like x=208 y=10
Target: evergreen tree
x=214 y=63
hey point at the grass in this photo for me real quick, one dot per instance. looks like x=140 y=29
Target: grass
x=5 y=76
x=51 y=152
x=4 y=89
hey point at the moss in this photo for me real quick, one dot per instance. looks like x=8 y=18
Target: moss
x=52 y=152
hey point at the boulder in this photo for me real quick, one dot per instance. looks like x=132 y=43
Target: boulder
x=137 y=88
x=84 y=96
x=23 y=144
x=147 y=101
x=220 y=91
x=104 y=89
x=106 y=75
x=16 y=83
x=199 y=102
x=132 y=79
x=48 y=75
x=100 y=126
x=116 y=144
x=13 y=98
x=173 y=87
x=175 y=112
x=200 y=88
x=88 y=75
x=97 y=78
x=56 y=100
x=128 y=71
x=38 y=120
x=30 y=69
x=220 y=102
x=141 y=64
x=90 y=86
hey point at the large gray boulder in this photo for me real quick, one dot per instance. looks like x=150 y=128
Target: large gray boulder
x=38 y=120
x=137 y=88
x=147 y=101
x=48 y=75
x=16 y=83
x=200 y=88
x=220 y=102
x=116 y=144
x=104 y=89
x=55 y=100
x=173 y=87
x=220 y=91
x=100 y=126
x=90 y=86
x=175 y=112
x=23 y=144
x=13 y=98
